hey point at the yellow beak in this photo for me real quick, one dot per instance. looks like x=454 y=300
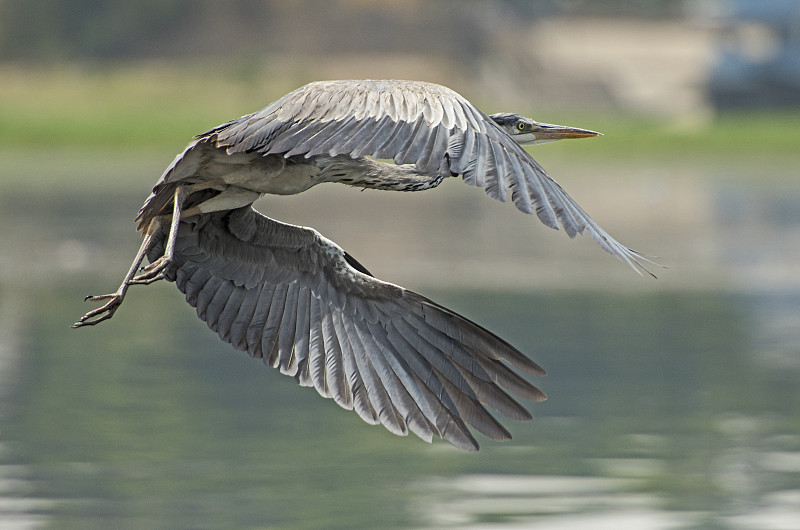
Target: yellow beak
x=549 y=132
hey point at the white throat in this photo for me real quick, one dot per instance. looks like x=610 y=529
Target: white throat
x=530 y=139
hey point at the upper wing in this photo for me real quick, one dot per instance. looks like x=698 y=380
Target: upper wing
x=287 y=295
x=417 y=123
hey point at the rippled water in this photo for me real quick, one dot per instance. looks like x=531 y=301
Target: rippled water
x=672 y=409
x=668 y=408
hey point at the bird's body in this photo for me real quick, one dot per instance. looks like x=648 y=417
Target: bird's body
x=288 y=295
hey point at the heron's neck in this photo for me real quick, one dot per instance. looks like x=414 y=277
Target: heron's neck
x=368 y=173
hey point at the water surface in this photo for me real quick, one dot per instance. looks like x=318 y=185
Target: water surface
x=672 y=404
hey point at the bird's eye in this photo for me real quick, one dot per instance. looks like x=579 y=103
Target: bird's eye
x=521 y=126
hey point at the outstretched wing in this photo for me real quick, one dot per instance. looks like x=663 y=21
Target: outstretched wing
x=287 y=295
x=417 y=123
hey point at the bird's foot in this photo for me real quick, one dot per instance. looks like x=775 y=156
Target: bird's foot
x=106 y=311
x=139 y=280
x=153 y=272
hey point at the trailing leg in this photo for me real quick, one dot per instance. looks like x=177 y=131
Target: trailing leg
x=229 y=198
x=152 y=272
x=114 y=300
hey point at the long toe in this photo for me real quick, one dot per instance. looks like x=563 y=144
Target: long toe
x=100 y=297
x=146 y=279
x=104 y=312
x=152 y=271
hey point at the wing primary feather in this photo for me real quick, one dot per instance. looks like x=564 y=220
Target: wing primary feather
x=496 y=181
x=299 y=356
x=255 y=328
x=459 y=163
x=286 y=335
x=451 y=345
x=205 y=296
x=316 y=349
x=425 y=149
x=538 y=197
x=495 y=397
x=445 y=418
x=290 y=141
x=468 y=359
x=373 y=383
x=466 y=331
x=335 y=144
x=438 y=360
x=437 y=155
x=516 y=182
x=413 y=402
x=195 y=286
x=229 y=312
x=375 y=134
x=225 y=290
x=417 y=363
x=314 y=145
x=335 y=375
x=361 y=400
x=501 y=375
x=395 y=380
x=244 y=316
x=356 y=137
x=555 y=195
x=394 y=141
x=472 y=413
x=609 y=244
x=408 y=152
x=477 y=120
x=182 y=276
x=269 y=333
x=482 y=163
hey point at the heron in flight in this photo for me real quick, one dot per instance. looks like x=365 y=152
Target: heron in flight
x=296 y=300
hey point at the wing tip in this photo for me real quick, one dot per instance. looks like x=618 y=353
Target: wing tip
x=634 y=259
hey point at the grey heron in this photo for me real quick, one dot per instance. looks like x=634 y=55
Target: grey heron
x=295 y=299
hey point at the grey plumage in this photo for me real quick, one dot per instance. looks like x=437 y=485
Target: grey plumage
x=291 y=297
x=394 y=356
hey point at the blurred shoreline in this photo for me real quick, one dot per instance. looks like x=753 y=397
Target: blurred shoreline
x=713 y=229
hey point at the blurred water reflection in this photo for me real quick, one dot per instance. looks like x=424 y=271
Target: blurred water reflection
x=661 y=415
x=669 y=408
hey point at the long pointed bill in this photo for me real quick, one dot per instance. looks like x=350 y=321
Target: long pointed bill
x=547 y=132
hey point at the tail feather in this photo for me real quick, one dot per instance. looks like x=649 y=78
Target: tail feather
x=159 y=202
x=183 y=167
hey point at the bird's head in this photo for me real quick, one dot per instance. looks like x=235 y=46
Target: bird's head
x=526 y=131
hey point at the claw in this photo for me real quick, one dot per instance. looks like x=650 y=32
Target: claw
x=102 y=297
x=106 y=311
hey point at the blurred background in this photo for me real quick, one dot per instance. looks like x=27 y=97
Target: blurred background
x=673 y=403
